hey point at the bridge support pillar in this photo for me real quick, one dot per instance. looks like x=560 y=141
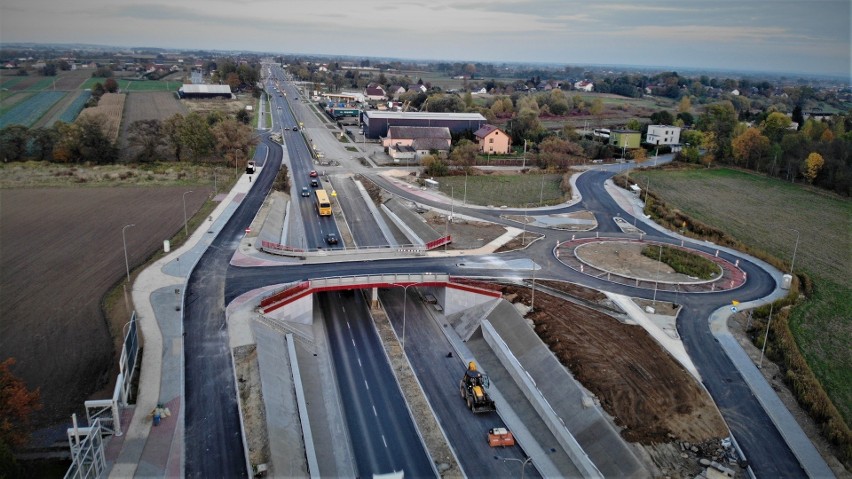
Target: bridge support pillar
x=374 y=297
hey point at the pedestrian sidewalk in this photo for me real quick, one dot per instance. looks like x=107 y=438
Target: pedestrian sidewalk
x=158 y=298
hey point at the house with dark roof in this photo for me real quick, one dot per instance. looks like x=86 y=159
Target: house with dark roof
x=403 y=141
x=375 y=92
x=395 y=91
x=492 y=140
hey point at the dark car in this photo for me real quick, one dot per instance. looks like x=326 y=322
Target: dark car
x=331 y=238
x=306 y=191
x=315 y=183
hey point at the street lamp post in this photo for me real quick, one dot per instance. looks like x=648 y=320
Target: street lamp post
x=185 y=228
x=766 y=336
x=523 y=462
x=795 y=248
x=464 y=201
x=124 y=241
x=404 y=305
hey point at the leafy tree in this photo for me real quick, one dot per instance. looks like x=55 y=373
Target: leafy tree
x=597 y=107
x=634 y=124
x=813 y=164
x=433 y=166
x=13 y=142
x=798 y=117
x=554 y=152
x=720 y=120
x=49 y=70
x=92 y=142
x=464 y=154
x=147 y=135
x=662 y=117
x=171 y=129
x=232 y=79
x=686 y=117
x=233 y=139
x=775 y=125
x=102 y=72
x=685 y=105
x=195 y=136
x=110 y=85
x=692 y=137
x=43 y=141
x=750 y=147
x=244 y=117
x=468 y=99
x=17 y=403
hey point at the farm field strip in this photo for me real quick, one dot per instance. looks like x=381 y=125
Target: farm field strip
x=9 y=82
x=111 y=106
x=10 y=99
x=28 y=112
x=74 y=109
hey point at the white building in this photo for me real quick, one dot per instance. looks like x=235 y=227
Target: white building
x=584 y=85
x=663 y=135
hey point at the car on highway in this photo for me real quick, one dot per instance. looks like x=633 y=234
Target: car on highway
x=295 y=128
x=314 y=182
x=331 y=238
x=313 y=174
x=306 y=191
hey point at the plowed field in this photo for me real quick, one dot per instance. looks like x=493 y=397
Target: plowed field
x=60 y=251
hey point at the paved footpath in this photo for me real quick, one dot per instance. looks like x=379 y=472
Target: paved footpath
x=146 y=450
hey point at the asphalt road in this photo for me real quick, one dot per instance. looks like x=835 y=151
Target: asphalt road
x=381 y=430
x=213 y=448
x=212 y=424
x=427 y=347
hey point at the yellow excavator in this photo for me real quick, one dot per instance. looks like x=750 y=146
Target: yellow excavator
x=472 y=389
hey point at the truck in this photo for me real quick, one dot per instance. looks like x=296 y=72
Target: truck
x=472 y=389
x=500 y=437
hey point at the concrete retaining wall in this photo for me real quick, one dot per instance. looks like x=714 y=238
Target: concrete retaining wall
x=545 y=411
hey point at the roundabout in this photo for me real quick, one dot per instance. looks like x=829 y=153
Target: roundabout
x=620 y=260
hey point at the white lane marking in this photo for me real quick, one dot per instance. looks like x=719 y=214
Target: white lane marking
x=383 y=440
x=348 y=325
x=367 y=384
x=353 y=342
x=374 y=411
x=359 y=362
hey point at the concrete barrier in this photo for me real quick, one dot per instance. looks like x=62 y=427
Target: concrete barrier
x=527 y=385
x=310 y=451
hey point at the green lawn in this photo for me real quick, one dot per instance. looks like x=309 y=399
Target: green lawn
x=514 y=191
x=762 y=212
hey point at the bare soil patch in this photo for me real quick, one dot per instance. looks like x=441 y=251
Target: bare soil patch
x=60 y=252
x=466 y=234
x=229 y=107
x=251 y=397
x=645 y=390
x=627 y=259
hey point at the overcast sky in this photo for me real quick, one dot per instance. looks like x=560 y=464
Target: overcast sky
x=801 y=36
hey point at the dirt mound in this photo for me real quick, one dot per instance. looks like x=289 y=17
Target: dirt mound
x=646 y=391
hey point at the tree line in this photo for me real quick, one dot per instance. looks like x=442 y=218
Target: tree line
x=193 y=137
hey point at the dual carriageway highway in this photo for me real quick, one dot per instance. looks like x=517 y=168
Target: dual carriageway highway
x=213 y=442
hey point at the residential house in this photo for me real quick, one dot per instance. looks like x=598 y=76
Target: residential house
x=416 y=142
x=481 y=91
x=375 y=92
x=625 y=138
x=663 y=135
x=395 y=91
x=417 y=87
x=584 y=85
x=492 y=140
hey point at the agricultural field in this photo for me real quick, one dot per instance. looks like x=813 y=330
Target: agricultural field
x=62 y=251
x=111 y=106
x=514 y=191
x=147 y=106
x=73 y=110
x=7 y=81
x=8 y=99
x=28 y=112
x=763 y=213
x=126 y=85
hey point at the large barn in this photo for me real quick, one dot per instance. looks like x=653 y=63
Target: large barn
x=205 y=91
x=376 y=123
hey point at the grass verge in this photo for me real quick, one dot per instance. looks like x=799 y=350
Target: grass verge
x=514 y=191
x=682 y=262
x=765 y=217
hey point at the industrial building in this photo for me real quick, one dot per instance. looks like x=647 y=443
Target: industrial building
x=205 y=91
x=376 y=123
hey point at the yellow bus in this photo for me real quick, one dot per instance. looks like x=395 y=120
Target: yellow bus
x=323 y=203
